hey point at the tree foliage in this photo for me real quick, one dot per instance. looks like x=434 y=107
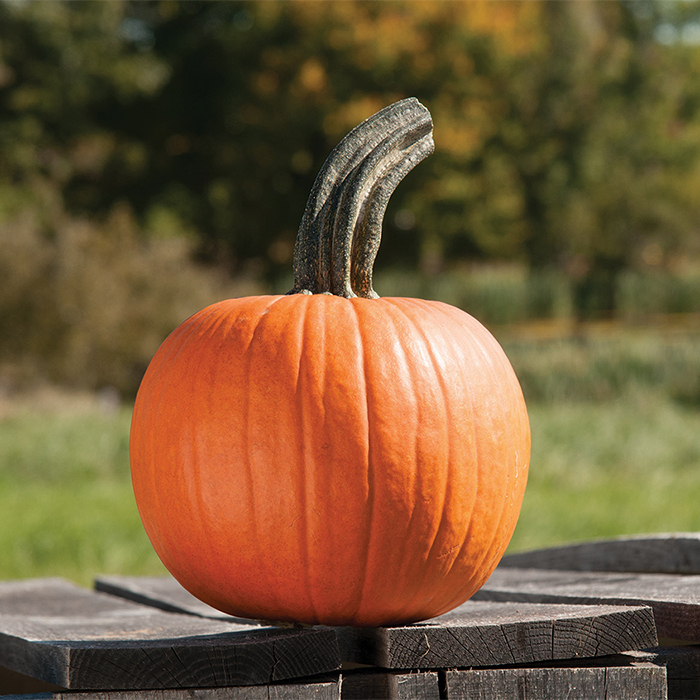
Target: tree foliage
x=567 y=134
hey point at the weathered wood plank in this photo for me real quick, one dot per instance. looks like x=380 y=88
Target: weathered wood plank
x=675 y=600
x=642 y=682
x=404 y=647
x=676 y=553
x=682 y=665
x=320 y=690
x=683 y=671
x=494 y=634
x=162 y=592
x=683 y=678
x=78 y=639
x=380 y=685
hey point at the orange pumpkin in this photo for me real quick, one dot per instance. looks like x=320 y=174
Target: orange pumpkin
x=333 y=458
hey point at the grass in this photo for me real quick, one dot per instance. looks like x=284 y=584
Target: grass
x=72 y=530
x=626 y=466
x=66 y=505
x=615 y=425
x=615 y=419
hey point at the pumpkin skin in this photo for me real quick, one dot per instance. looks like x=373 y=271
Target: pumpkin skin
x=318 y=459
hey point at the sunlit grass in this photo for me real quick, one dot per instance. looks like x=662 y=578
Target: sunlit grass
x=631 y=465
x=74 y=530
x=66 y=504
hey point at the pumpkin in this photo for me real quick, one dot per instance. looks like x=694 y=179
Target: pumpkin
x=329 y=456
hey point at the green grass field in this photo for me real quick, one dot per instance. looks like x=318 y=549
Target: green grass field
x=630 y=465
x=616 y=450
x=66 y=505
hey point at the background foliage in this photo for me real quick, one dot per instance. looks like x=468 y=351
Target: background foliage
x=156 y=156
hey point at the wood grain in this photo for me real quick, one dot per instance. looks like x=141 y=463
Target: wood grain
x=494 y=634
x=320 y=690
x=78 y=639
x=474 y=634
x=676 y=553
x=642 y=682
x=378 y=685
x=675 y=600
x=682 y=665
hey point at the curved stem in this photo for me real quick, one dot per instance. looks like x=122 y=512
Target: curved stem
x=399 y=154
x=340 y=231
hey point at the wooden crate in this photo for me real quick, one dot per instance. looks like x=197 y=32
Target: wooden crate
x=579 y=622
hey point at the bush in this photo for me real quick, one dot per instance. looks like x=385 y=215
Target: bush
x=506 y=294
x=607 y=368
x=640 y=295
x=87 y=304
x=494 y=294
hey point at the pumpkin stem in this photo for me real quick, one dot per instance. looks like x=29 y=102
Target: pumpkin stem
x=341 y=227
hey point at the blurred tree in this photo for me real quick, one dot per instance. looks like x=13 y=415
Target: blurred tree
x=566 y=133
x=601 y=131
x=259 y=93
x=62 y=65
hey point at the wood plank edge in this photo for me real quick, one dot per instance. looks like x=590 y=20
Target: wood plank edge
x=104 y=586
